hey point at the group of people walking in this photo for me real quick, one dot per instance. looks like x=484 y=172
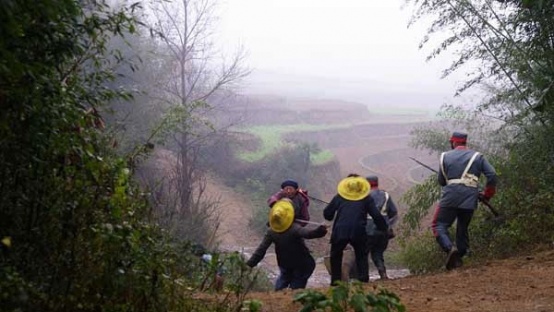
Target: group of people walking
x=363 y=217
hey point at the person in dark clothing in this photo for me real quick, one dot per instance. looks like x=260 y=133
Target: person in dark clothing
x=350 y=208
x=295 y=262
x=299 y=198
x=377 y=241
x=458 y=175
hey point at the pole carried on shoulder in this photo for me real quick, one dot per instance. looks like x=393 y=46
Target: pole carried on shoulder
x=310 y=222
x=481 y=198
x=317 y=200
x=305 y=193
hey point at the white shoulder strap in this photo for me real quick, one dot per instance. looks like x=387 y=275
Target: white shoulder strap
x=384 y=208
x=442 y=166
x=465 y=170
x=469 y=164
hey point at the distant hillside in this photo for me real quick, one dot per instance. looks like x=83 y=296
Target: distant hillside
x=375 y=94
x=269 y=109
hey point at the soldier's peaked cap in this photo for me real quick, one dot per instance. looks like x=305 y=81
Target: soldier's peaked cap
x=458 y=137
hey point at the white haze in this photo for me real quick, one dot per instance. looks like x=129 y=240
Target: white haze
x=354 y=50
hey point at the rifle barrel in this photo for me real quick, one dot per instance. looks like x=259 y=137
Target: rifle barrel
x=423 y=165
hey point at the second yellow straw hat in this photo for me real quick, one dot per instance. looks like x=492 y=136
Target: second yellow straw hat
x=354 y=188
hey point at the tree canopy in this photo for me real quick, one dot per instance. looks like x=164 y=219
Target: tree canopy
x=76 y=233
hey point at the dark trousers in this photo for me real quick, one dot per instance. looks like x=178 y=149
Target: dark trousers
x=376 y=246
x=294 y=277
x=442 y=221
x=337 y=249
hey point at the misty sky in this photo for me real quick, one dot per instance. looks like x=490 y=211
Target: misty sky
x=359 y=50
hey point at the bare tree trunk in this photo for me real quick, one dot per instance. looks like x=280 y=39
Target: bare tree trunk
x=187 y=28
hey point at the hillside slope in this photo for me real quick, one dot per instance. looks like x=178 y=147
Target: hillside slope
x=519 y=284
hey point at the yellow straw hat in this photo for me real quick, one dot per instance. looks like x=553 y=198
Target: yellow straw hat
x=354 y=188
x=281 y=215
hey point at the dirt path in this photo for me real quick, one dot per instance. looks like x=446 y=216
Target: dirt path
x=233 y=234
x=518 y=284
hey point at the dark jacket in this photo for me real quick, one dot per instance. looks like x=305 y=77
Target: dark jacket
x=351 y=217
x=459 y=195
x=290 y=248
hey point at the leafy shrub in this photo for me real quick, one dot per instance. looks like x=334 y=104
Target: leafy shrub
x=348 y=296
x=421 y=254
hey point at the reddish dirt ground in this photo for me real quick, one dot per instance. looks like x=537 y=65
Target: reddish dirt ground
x=524 y=283
x=518 y=284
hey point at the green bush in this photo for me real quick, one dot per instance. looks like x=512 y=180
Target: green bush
x=347 y=296
x=421 y=254
x=272 y=140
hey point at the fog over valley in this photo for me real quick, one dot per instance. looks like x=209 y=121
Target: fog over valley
x=375 y=94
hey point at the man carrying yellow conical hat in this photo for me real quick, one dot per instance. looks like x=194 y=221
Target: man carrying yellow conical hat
x=350 y=209
x=296 y=264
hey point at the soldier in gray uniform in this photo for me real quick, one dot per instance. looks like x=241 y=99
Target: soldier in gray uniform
x=458 y=175
x=377 y=242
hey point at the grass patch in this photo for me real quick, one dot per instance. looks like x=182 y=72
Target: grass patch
x=321 y=157
x=271 y=140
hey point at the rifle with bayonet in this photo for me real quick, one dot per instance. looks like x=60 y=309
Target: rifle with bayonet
x=481 y=198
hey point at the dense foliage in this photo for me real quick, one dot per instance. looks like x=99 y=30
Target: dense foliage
x=75 y=230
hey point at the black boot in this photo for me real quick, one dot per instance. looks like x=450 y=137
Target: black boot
x=453 y=260
x=383 y=274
